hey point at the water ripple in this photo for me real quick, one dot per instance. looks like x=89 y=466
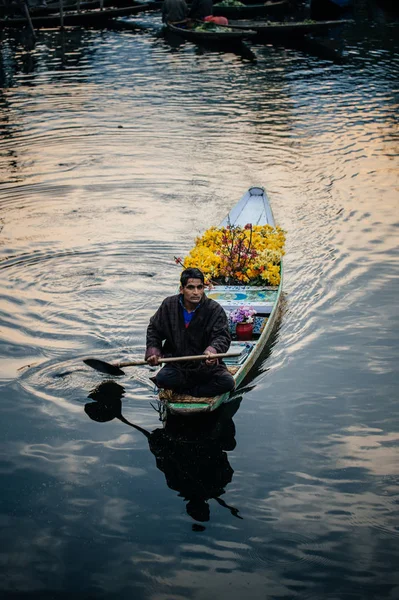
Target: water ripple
x=117 y=149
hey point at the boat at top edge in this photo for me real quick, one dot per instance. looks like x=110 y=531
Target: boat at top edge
x=17 y=10
x=254 y=208
x=88 y=18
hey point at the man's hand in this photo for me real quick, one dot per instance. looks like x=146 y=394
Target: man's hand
x=153 y=360
x=210 y=361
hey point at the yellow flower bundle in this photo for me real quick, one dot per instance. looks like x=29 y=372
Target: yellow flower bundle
x=234 y=255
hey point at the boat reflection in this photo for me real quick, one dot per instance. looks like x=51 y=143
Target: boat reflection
x=191 y=453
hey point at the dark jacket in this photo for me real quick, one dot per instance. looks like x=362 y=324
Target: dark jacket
x=174 y=11
x=201 y=9
x=167 y=334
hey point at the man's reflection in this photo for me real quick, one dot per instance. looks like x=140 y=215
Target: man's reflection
x=192 y=453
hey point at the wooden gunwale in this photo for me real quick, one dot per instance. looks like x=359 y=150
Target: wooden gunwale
x=280 y=28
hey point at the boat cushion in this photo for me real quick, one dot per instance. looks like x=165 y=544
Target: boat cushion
x=174 y=398
x=261 y=299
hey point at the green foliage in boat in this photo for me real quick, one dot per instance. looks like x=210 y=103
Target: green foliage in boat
x=230 y=3
x=209 y=26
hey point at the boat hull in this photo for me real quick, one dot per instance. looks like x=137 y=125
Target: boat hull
x=227 y=37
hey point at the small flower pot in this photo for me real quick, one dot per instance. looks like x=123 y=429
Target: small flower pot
x=244 y=331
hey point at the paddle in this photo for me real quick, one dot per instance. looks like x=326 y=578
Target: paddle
x=114 y=369
x=27 y=14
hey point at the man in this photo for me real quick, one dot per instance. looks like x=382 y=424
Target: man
x=187 y=324
x=174 y=11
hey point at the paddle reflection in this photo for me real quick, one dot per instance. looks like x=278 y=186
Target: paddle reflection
x=191 y=453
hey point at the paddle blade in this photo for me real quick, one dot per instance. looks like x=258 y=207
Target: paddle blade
x=103 y=367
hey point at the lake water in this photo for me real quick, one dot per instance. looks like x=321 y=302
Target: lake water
x=117 y=148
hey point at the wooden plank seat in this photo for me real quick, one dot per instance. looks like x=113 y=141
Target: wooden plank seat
x=171 y=396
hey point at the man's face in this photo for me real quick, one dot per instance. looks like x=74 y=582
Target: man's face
x=192 y=292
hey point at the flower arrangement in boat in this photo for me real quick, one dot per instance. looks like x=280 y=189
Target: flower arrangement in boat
x=235 y=255
x=210 y=26
x=230 y=3
x=243 y=314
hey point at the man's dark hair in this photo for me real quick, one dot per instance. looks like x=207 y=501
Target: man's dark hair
x=191 y=274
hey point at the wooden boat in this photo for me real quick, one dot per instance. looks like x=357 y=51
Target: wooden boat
x=253 y=208
x=89 y=18
x=251 y=10
x=197 y=36
x=54 y=7
x=91 y=4
x=279 y=29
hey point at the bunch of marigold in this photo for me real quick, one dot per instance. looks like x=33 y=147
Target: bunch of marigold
x=239 y=255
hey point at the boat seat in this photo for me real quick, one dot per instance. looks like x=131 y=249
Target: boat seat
x=246 y=349
x=171 y=397
x=261 y=299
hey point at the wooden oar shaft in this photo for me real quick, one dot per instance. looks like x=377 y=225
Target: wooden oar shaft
x=179 y=358
x=27 y=14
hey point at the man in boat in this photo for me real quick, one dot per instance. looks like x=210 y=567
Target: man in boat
x=174 y=11
x=201 y=9
x=187 y=324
